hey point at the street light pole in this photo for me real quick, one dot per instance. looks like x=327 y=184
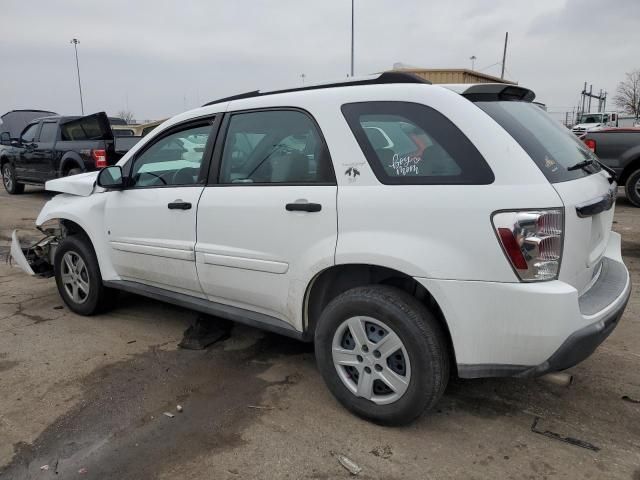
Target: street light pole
x=352 y=1
x=75 y=42
x=473 y=61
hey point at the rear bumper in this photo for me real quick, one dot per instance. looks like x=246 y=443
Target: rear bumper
x=582 y=343
x=525 y=330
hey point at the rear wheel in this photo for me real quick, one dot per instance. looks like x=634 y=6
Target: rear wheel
x=11 y=185
x=632 y=188
x=78 y=277
x=74 y=171
x=382 y=354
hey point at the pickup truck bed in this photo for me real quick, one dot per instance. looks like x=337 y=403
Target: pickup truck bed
x=619 y=149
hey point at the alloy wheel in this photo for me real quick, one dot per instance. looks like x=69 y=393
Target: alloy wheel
x=7 y=177
x=75 y=277
x=371 y=360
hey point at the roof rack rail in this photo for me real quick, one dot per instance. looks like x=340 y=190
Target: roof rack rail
x=384 y=77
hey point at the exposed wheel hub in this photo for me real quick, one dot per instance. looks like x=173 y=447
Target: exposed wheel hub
x=371 y=360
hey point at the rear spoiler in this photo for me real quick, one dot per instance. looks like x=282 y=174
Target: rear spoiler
x=493 y=92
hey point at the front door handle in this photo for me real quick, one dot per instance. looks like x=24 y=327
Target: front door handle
x=303 y=207
x=179 y=205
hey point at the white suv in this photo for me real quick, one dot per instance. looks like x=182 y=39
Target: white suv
x=410 y=230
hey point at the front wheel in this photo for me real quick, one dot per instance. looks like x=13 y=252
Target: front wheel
x=382 y=354
x=78 y=277
x=11 y=185
x=632 y=188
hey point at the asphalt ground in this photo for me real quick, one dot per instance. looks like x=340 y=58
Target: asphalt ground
x=86 y=396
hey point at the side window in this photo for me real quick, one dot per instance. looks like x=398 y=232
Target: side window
x=277 y=146
x=48 y=132
x=172 y=160
x=29 y=134
x=410 y=143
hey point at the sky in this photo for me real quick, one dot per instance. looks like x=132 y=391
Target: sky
x=158 y=58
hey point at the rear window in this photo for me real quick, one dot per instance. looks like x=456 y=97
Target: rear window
x=551 y=146
x=409 y=143
x=85 y=128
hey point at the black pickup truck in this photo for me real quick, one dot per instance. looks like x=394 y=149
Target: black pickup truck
x=56 y=146
x=619 y=149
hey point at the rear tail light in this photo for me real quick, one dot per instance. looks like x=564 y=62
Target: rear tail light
x=591 y=144
x=532 y=241
x=99 y=158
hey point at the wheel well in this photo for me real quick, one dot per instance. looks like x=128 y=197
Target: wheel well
x=628 y=170
x=3 y=160
x=68 y=164
x=72 y=228
x=336 y=280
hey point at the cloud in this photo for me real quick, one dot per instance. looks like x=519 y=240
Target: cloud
x=161 y=57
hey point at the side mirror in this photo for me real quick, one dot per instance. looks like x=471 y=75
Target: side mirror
x=5 y=138
x=111 y=178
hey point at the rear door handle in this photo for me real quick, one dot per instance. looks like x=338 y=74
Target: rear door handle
x=179 y=205
x=303 y=207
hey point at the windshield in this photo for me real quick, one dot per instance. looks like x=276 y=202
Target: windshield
x=549 y=144
x=591 y=118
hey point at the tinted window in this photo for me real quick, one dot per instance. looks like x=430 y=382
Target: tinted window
x=48 y=132
x=409 y=143
x=551 y=146
x=172 y=160
x=29 y=134
x=85 y=128
x=274 y=147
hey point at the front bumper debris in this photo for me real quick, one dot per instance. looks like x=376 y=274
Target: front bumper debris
x=36 y=259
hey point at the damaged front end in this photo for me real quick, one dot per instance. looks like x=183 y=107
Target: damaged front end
x=37 y=259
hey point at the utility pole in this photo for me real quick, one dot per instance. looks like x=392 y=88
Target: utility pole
x=75 y=42
x=473 y=61
x=352 y=15
x=303 y=76
x=590 y=95
x=504 y=54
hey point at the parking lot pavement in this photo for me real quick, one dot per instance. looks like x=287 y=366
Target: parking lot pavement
x=87 y=396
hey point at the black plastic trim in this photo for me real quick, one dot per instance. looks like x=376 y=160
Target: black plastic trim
x=599 y=204
x=228 y=312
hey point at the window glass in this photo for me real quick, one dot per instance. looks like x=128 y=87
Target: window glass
x=48 y=132
x=275 y=146
x=549 y=144
x=409 y=143
x=172 y=160
x=84 y=128
x=29 y=134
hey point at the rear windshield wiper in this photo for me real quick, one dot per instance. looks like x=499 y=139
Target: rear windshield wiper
x=579 y=165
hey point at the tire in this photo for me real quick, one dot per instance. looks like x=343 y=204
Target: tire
x=631 y=188
x=76 y=269
x=73 y=171
x=11 y=184
x=424 y=366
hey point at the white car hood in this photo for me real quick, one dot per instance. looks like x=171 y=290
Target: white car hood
x=81 y=184
x=587 y=126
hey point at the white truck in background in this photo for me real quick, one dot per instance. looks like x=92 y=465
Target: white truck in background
x=589 y=121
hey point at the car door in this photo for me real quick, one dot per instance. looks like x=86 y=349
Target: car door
x=151 y=224
x=43 y=153
x=269 y=220
x=26 y=165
